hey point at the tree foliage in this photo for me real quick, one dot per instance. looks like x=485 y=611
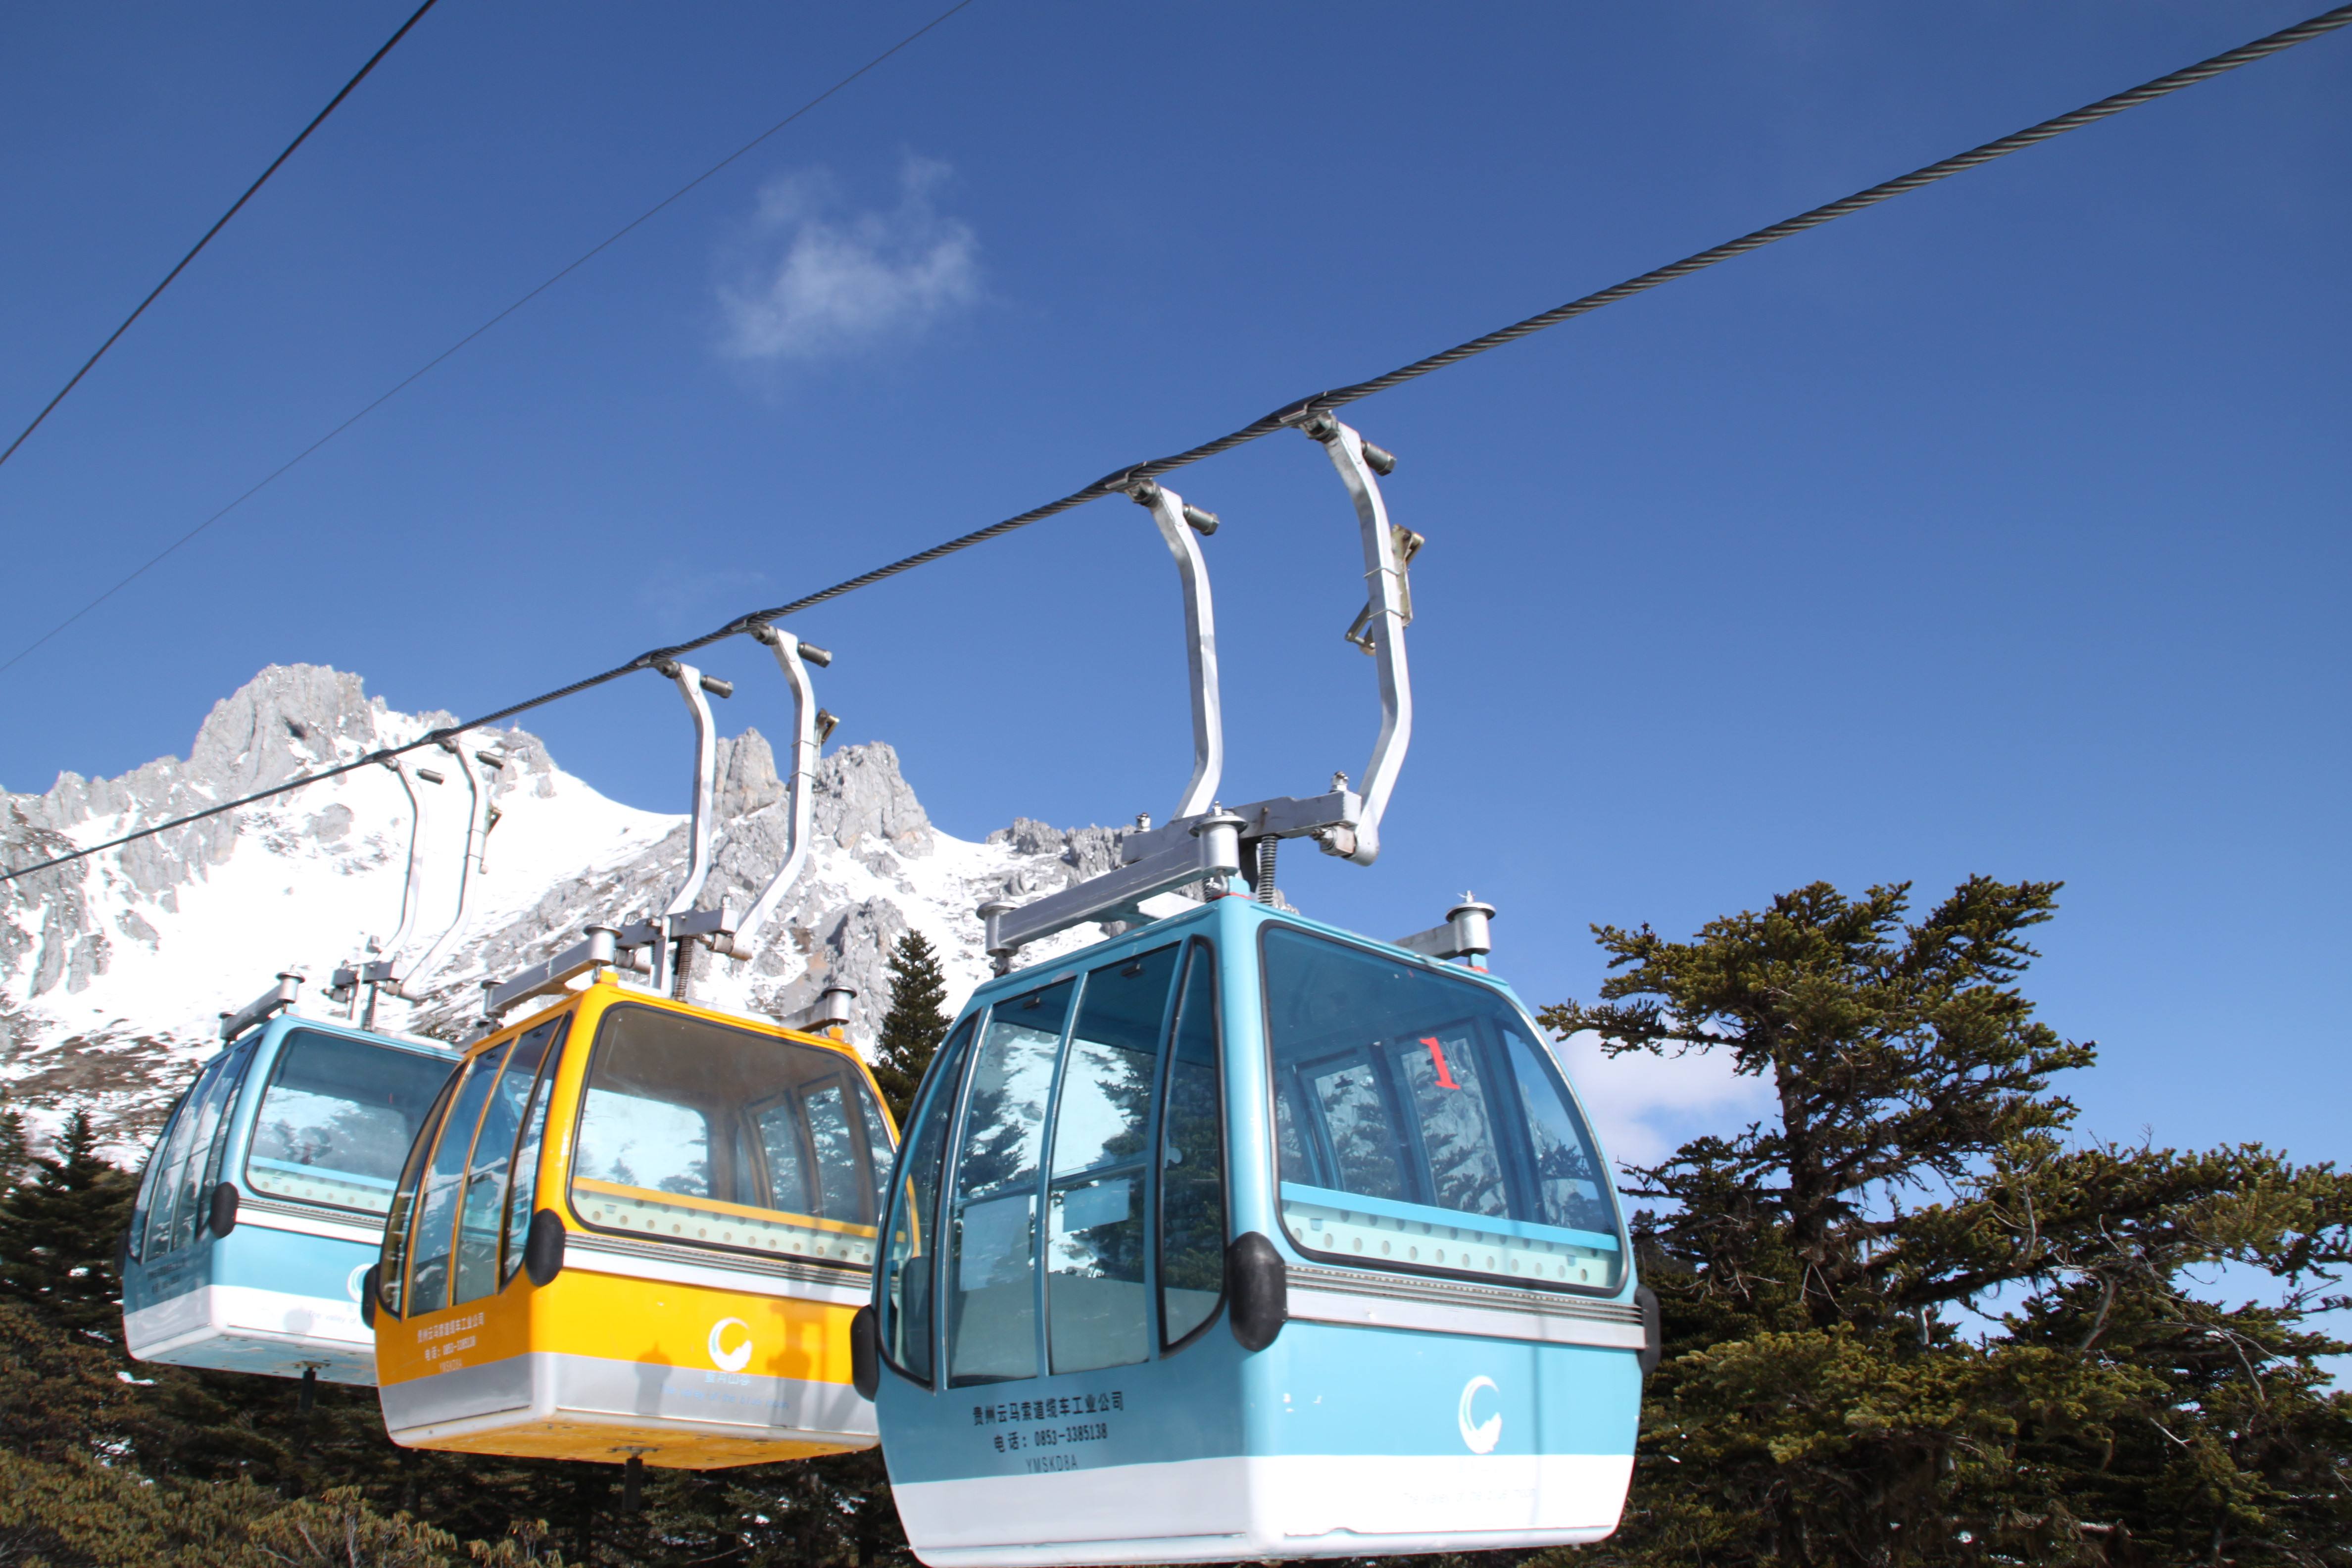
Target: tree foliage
x=57 y=1234
x=915 y=1025
x=1911 y=1318
x=1914 y=1317
x=104 y=1460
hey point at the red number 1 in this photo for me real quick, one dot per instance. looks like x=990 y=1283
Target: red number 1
x=1437 y=1059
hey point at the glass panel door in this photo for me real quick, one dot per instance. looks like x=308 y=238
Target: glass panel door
x=190 y=1143
x=161 y=1189
x=399 y=1226
x=523 y=1195
x=1192 y=1161
x=444 y=1176
x=1097 y=1311
x=907 y=1288
x=493 y=1158
x=991 y=1272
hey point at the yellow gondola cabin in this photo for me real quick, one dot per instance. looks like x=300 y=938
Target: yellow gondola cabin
x=633 y=1227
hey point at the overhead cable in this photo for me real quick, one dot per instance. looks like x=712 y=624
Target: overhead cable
x=419 y=372
x=373 y=60
x=1302 y=409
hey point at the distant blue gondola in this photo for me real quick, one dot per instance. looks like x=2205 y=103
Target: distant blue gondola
x=262 y=1207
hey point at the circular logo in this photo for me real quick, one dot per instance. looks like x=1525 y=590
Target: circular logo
x=351 y=1287
x=1481 y=1436
x=739 y=1357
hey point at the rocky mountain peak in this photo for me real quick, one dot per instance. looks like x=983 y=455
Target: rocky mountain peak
x=113 y=971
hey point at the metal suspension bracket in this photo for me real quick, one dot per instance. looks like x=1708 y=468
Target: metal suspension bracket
x=648 y=947
x=811 y=726
x=283 y=994
x=1379 y=629
x=410 y=982
x=1342 y=821
x=1179 y=522
x=828 y=1014
x=600 y=948
x=372 y=973
x=1466 y=934
x=1205 y=846
x=681 y=921
x=1210 y=850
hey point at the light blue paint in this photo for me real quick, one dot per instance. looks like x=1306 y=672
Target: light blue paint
x=1322 y=1388
x=265 y=1258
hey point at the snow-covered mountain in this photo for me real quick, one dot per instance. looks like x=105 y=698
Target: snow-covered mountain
x=114 y=970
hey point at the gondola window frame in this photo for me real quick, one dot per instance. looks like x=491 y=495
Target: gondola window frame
x=718 y=1142
x=1142 y=1166
x=1201 y=957
x=1511 y=1134
x=150 y=1178
x=936 y=1100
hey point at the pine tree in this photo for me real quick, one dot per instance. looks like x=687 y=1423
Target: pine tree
x=59 y=1233
x=915 y=1025
x=16 y=1150
x=1827 y=1398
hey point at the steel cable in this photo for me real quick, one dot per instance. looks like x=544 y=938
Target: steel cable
x=1295 y=413
x=234 y=207
x=417 y=374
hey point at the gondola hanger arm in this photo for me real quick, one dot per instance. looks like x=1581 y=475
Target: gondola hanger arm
x=1205 y=849
x=1388 y=610
x=462 y=749
x=385 y=969
x=1179 y=522
x=810 y=725
x=682 y=921
x=1343 y=821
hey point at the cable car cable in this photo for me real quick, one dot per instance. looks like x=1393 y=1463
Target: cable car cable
x=1299 y=412
x=1323 y=402
x=420 y=372
x=333 y=104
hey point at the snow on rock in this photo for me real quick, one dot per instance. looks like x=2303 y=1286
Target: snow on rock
x=114 y=970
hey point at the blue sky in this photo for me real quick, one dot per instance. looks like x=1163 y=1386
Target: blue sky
x=2000 y=529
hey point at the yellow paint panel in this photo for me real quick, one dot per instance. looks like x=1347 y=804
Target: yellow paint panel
x=659 y=1447
x=655 y=1322
x=633 y=1321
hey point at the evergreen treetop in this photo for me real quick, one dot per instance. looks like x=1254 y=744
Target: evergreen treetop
x=15 y=1148
x=59 y=1231
x=915 y=1025
x=1909 y=1319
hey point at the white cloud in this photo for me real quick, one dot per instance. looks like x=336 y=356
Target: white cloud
x=1647 y=1106
x=846 y=282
